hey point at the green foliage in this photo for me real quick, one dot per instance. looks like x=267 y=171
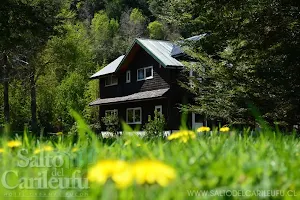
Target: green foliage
x=104 y=31
x=91 y=113
x=156 y=30
x=112 y=123
x=19 y=105
x=46 y=101
x=133 y=25
x=137 y=16
x=155 y=127
x=70 y=95
x=68 y=66
x=262 y=163
x=1 y=107
x=64 y=55
x=62 y=41
x=248 y=56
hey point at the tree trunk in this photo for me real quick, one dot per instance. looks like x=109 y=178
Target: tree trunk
x=33 y=103
x=6 y=88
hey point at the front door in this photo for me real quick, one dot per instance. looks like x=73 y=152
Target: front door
x=197 y=120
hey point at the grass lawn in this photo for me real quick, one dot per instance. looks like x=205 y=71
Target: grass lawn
x=209 y=166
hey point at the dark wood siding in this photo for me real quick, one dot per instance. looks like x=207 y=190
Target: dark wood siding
x=161 y=78
x=147 y=109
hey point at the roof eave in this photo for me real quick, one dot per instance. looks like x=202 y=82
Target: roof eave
x=174 y=67
x=101 y=76
x=129 y=101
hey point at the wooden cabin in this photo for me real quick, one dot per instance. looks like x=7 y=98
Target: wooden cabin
x=144 y=80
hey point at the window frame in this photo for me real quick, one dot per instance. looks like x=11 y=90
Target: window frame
x=158 y=107
x=128 y=76
x=111 y=79
x=134 y=109
x=114 y=111
x=144 y=72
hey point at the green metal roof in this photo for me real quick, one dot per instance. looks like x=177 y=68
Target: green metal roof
x=161 y=51
x=109 y=69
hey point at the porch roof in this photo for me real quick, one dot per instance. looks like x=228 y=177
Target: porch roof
x=133 y=97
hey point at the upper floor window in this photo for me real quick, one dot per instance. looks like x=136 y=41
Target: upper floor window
x=145 y=73
x=128 y=77
x=111 y=80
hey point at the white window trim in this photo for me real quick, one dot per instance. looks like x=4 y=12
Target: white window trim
x=111 y=111
x=134 y=109
x=105 y=83
x=145 y=68
x=128 y=74
x=159 y=107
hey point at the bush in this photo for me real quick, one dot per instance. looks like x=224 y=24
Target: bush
x=111 y=123
x=155 y=128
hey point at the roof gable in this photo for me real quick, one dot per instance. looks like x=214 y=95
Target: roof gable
x=164 y=52
x=158 y=49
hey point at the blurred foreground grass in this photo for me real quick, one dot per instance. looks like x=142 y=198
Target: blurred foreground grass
x=207 y=166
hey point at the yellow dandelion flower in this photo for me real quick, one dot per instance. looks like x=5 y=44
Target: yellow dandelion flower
x=124 y=178
x=224 y=129
x=203 y=129
x=36 y=151
x=106 y=169
x=48 y=148
x=45 y=148
x=128 y=142
x=74 y=149
x=59 y=133
x=182 y=136
x=1 y=150
x=151 y=171
x=14 y=143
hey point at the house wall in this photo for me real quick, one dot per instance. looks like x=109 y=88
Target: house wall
x=161 y=78
x=147 y=109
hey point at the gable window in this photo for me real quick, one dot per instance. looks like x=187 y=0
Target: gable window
x=145 y=73
x=111 y=112
x=128 y=77
x=134 y=115
x=111 y=80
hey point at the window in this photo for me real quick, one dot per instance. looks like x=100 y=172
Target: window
x=134 y=115
x=111 y=80
x=128 y=77
x=111 y=112
x=158 y=109
x=145 y=73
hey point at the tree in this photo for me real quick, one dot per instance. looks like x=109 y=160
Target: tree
x=156 y=30
x=133 y=25
x=104 y=32
x=68 y=67
x=25 y=27
x=250 y=56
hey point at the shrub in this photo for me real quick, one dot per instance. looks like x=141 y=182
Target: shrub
x=155 y=128
x=111 y=123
